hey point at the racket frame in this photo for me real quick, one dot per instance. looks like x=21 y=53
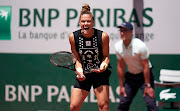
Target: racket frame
x=68 y=66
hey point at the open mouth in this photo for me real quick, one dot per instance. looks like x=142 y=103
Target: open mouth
x=86 y=28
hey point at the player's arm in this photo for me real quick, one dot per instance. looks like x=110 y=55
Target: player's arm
x=105 y=51
x=105 y=48
x=73 y=49
x=78 y=65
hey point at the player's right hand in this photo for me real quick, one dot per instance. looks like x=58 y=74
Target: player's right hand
x=81 y=78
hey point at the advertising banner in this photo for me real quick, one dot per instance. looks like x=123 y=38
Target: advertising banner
x=44 y=26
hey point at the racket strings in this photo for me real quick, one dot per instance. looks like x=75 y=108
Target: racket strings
x=63 y=59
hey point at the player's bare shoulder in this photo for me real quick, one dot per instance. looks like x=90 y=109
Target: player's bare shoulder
x=105 y=36
x=71 y=37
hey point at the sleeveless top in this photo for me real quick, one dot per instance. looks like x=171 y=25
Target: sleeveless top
x=90 y=49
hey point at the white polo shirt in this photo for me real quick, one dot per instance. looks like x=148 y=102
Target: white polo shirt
x=133 y=54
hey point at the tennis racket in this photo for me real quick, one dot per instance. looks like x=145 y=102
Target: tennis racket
x=65 y=59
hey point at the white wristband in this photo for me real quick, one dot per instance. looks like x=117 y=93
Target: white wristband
x=79 y=69
x=104 y=65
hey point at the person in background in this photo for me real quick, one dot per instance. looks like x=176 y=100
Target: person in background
x=133 y=54
x=91 y=47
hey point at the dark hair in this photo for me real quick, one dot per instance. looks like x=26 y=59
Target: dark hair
x=86 y=10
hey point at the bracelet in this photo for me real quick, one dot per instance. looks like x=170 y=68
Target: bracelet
x=104 y=65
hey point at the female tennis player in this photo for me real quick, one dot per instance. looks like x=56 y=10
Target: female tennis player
x=91 y=47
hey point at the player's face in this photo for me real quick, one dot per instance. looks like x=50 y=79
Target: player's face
x=125 y=34
x=86 y=22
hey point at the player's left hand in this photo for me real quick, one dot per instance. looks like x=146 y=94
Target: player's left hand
x=98 y=70
x=102 y=68
x=150 y=91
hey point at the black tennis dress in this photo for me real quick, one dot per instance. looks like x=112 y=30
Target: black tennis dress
x=90 y=52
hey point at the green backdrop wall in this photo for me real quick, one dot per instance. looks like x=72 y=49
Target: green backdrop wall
x=29 y=82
